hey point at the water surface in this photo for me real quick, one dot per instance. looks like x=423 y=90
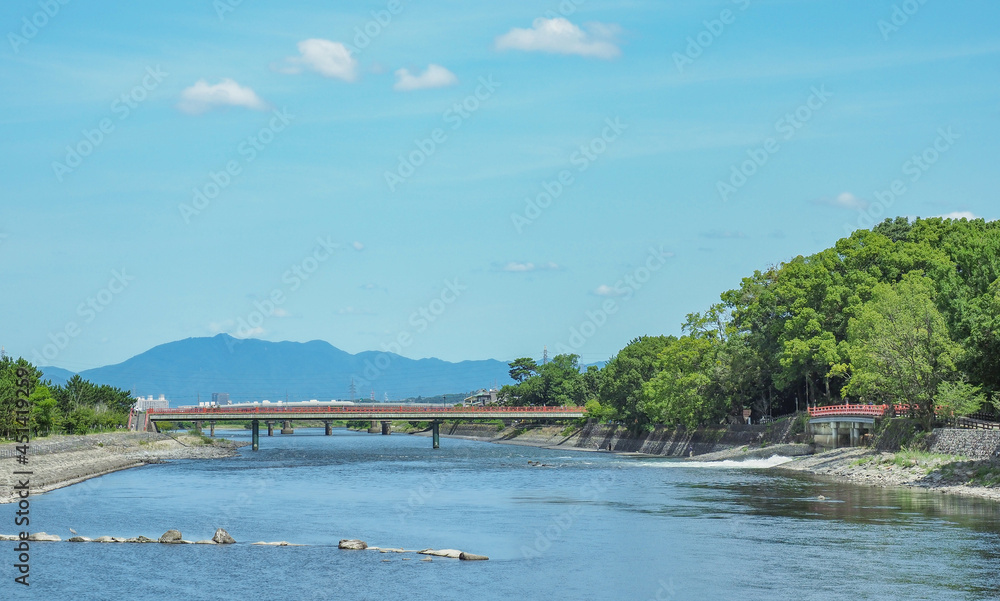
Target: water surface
x=580 y=526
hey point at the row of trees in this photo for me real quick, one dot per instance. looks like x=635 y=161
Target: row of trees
x=77 y=407
x=907 y=313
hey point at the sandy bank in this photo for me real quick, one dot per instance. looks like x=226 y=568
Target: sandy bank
x=64 y=460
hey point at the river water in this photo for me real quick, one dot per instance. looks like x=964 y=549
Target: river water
x=579 y=526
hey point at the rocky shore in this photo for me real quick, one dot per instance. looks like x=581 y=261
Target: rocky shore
x=950 y=474
x=64 y=460
x=959 y=462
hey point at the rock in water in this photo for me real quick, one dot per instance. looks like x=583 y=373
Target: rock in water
x=41 y=536
x=352 y=544
x=222 y=537
x=472 y=557
x=452 y=553
x=78 y=539
x=104 y=539
x=205 y=542
x=171 y=536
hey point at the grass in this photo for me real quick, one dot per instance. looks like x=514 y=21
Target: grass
x=986 y=475
x=912 y=457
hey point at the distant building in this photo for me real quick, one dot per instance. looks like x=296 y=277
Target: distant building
x=142 y=404
x=220 y=398
x=481 y=397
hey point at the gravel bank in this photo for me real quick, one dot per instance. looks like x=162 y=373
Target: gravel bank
x=952 y=475
x=64 y=460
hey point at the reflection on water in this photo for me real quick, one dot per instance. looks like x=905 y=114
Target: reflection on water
x=556 y=525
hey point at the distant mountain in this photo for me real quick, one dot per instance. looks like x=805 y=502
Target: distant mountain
x=58 y=375
x=249 y=369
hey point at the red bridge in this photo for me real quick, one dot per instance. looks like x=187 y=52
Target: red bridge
x=326 y=413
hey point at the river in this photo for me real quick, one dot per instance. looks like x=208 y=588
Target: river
x=581 y=526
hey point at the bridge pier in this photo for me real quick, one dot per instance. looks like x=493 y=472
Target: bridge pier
x=211 y=429
x=836 y=434
x=255 y=434
x=386 y=428
x=436 y=434
x=270 y=428
x=329 y=427
x=286 y=427
x=197 y=426
x=374 y=427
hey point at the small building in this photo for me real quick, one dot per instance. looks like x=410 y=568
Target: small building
x=142 y=404
x=220 y=398
x=481 y=397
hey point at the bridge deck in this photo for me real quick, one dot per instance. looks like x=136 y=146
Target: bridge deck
x=400 y=412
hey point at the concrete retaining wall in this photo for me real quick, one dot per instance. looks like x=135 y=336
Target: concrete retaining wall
x=669 y=442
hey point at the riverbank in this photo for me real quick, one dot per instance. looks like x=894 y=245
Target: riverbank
x=61 y=461
x=660 y=442
x=949 y=474
x=959 y=462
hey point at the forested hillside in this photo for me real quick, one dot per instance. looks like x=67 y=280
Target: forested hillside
x=908 y=313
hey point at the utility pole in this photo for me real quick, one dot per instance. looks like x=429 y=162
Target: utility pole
x=354 y=390
x=545 y=355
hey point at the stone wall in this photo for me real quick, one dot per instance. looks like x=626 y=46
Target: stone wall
x=669 y=442
x=974 y=444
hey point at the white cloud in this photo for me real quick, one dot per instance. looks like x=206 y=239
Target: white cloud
x=516 y=266
x=329 y=59
x=435 y=76
x=358 y=245
x=354 y=311
x=244 y=333
x=202 y=97
x=846 y=200
x=279 y=312
x=961 y=215
x=605 y=290
x=560 y=36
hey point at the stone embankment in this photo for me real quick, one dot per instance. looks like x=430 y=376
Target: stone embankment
x=665 y=442
x=64 y=460
x=974 y=444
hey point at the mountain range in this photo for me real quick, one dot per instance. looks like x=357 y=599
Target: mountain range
x=189 y=370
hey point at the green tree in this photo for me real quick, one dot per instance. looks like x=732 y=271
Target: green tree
x=523 y=368
x=683 y=391
x=623 y=377
x=901 y=350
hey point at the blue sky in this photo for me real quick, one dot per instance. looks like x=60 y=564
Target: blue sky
x=377 y=191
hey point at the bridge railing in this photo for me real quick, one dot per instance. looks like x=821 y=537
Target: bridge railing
x=857 y=410
x=349 y=410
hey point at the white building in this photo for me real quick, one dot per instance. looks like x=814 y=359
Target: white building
x=142 y=404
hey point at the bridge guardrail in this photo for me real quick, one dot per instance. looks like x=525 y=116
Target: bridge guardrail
x=363 y=409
